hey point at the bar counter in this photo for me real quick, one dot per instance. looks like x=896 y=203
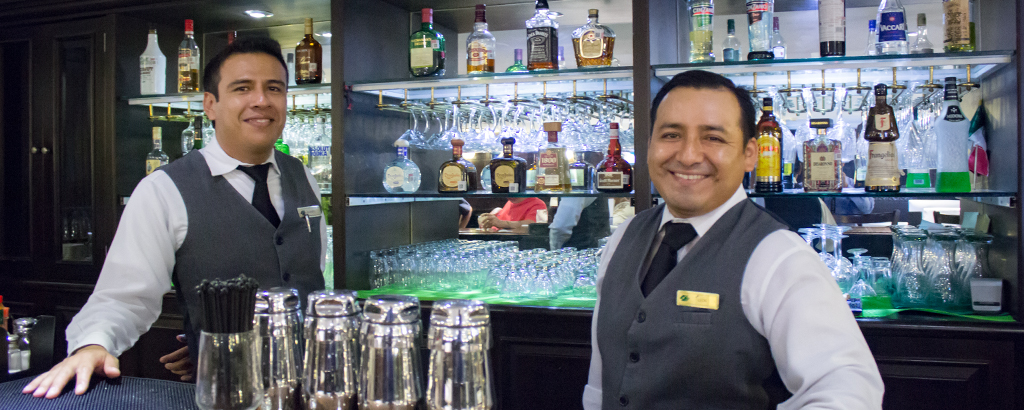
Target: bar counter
x=122 y=393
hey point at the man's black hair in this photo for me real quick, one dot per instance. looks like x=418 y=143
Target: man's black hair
x=705 y=80
x=247 y=45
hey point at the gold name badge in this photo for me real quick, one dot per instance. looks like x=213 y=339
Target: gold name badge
x=697 y=299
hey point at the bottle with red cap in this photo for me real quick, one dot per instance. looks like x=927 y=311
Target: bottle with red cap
x=426 y=49
x=614 y=174
x=188 y=61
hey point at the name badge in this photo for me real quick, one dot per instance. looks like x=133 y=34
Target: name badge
x=309 y=211
x=700 y=300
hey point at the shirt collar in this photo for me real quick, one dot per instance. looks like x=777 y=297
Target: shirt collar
x=221 y=163
x=702 y=223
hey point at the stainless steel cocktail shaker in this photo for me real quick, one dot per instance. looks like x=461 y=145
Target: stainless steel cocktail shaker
x=459 y=338
x=389 y=361
x=330 y=377
x=278 y=321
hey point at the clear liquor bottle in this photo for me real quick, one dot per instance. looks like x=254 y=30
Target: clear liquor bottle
x=541 y=39
x=702 y=13
x=209 y=134
x=454 y=174
x=872 y=48
x=508 y=172
x=731 y=46
x=956 y=26
x=593 y=43
x=581 y=174
x=531 y=177
x=401 y=176
x=769 y=151
x=951 y=132
x=892 y=28
x=614 y=174
x=188 y=137
x=921 y=43
x=480 y=45
x=156 y=158
x=881 y=133
x=517 y=66
x=152 y=68
x=832 y=28
x=824 y=168
x=188 y=62
x=778 y=43
x=309 y=56
x=760 y=15
x=426 y=48
x=553 y=166
x=319 y=155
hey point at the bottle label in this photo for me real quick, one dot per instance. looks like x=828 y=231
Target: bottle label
x=731 y=54
x=541 y=45
x=831 y=20
x=956 y=14
x=187 y=60
x=152 y=165
x=513 y=188
x=305 y=67
x=394 y=176
x=756 y=10
x=823 y=168
x=548 y=180
x=319 y=151
x=769 y=160
x=787 y=168
x=531 y=178
x=548 y=159
x=953 y=114
x=504 y=176
x=892 y=27
x=403 y=151
x=477 y=53
x=421 y=53
x=451 y=177
x=146 y=67
x=883 y=122
x=883 y=165
x=576 y=178
x=611 y=180
x=700 y=17
x=592 y=43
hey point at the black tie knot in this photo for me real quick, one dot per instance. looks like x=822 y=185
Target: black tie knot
x=261 y=193
x=257 y=172
x=677 y=235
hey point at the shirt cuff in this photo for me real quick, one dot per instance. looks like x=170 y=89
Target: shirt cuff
x=591 y=398
x=94 y=338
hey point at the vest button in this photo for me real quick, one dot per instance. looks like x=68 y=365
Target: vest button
x=280 y=240
x=641 y=317
x=634 y=357
x=623 y=401
x=286 y=276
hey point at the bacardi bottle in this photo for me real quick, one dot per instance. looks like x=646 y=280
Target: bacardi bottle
x=881 y=134
x=152 y=68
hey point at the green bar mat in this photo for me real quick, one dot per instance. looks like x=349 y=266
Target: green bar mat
x=566 y=300
x=881 y=306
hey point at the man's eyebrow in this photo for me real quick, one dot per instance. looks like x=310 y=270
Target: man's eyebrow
x=275 y=82
x=239 y=82
x=702 y=127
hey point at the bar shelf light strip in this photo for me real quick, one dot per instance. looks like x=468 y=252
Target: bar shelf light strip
x=305 y=96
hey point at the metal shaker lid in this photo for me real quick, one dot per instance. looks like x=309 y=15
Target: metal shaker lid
x=332 y=303
x=391 y=309
x=277 y=300
x=460 y=313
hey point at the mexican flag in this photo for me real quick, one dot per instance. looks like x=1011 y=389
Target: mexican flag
x=977 y=161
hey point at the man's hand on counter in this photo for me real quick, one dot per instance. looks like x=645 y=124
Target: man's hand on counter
x=80 y=365
x=179 y=362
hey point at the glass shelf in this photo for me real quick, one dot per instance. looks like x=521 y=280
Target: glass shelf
x=305 y=95
x=843 y=70
x=904 y=193
x=434 y=196
x=557 y=81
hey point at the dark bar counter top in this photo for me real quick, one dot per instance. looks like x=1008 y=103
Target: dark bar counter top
x=122 y=393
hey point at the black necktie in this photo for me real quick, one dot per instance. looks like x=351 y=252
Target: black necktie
x=261 y=195
x=677 y=235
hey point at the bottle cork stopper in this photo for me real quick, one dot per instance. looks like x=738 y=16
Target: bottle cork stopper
x=553 y=126
x=458 y=142
x=402 y=143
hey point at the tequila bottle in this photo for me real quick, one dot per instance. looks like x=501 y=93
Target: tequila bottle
x=508 y=172
x=593 y=43
x=480 y=45
x=921 y=43
x=401 y=175
x=581 y=174
x=952 y=130
x=553 y=166
x=156 y=158
x=541 y=39
x=518 y=66
x=823 y=171
x=319 y=155
x=702 y=13
x=892 y=28
x=881 y=134
x=769 y=151
x=614 y=174
x=731 y=46
x=455 y=174
x=759 y=28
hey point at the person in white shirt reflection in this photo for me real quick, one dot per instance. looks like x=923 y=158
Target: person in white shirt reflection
x=742 y=310
x=246 y=89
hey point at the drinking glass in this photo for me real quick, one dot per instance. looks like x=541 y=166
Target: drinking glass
x=228 y=374
x=911 y=281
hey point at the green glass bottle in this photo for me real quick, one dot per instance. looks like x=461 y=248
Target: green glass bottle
x=281 y=146
x=426 y=49
x=518 y=67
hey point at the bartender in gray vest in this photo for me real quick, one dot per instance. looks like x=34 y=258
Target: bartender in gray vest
x=230 y=208
x=708 y=302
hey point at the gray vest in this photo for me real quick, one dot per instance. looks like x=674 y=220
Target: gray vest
x=657 y=355
x=227 y=236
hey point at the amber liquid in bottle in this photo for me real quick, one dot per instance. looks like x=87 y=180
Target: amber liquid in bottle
x=454 y=176
x=508 y=172
x=614 y=174
x=604 y=60
x=769 y=151
x=553 y=166
x=309 y=57
x=881 y=134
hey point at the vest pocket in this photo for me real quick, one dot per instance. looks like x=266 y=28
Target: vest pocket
x=692 y=316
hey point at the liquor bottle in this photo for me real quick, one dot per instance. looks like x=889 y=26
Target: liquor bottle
x=614 y=174
x=759 y=28
x=152 y=68
x=518 y=66
x=188 y=62
x=541 y=40
x=561 y=58
x=531 y=177
x=156 y=158
x=197 y=142
x=956 y=26
x=454 y=175
x=892 y=28
x=872 y=48
x=280 y=145
x=209 y=134
x=581 y=174
x=508 y=172
x=881 y=134
x=832 y=28
x=309 y=58
x=921 y=43
x=485 y=176
x=731 y=46
x=401 y=175
x=480 y=45
x=778 y=43
x=593 y=43
x=823 y=171
x=952 y=130
x=553 y=166
x=319 y=155
x=188 y=137
x=769 y=151
x=701 y=14
x=974 y=39
x=426 y=49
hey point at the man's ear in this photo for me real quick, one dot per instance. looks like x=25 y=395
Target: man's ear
x=208 y=101
x=750 y=155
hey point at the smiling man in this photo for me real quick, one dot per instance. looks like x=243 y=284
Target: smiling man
x=707 y=301
x=228 y=208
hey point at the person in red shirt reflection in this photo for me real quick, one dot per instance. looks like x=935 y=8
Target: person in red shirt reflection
x=516 y=215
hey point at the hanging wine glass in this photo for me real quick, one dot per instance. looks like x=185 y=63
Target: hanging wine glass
x=857 y=98
x=824 y=97
x=792 y=98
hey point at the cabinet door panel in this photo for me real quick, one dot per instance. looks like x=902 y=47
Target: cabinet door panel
x=542 y=375
x=15 y=149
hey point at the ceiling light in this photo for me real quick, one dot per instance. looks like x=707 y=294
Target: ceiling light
x=259 y=14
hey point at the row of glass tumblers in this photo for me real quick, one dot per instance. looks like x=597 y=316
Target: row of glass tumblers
x=933 y=269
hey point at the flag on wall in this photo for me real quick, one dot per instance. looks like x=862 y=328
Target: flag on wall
x=978 y=158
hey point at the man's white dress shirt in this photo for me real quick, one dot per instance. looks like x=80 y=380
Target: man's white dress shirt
x=791 y=299
x=129 y=294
